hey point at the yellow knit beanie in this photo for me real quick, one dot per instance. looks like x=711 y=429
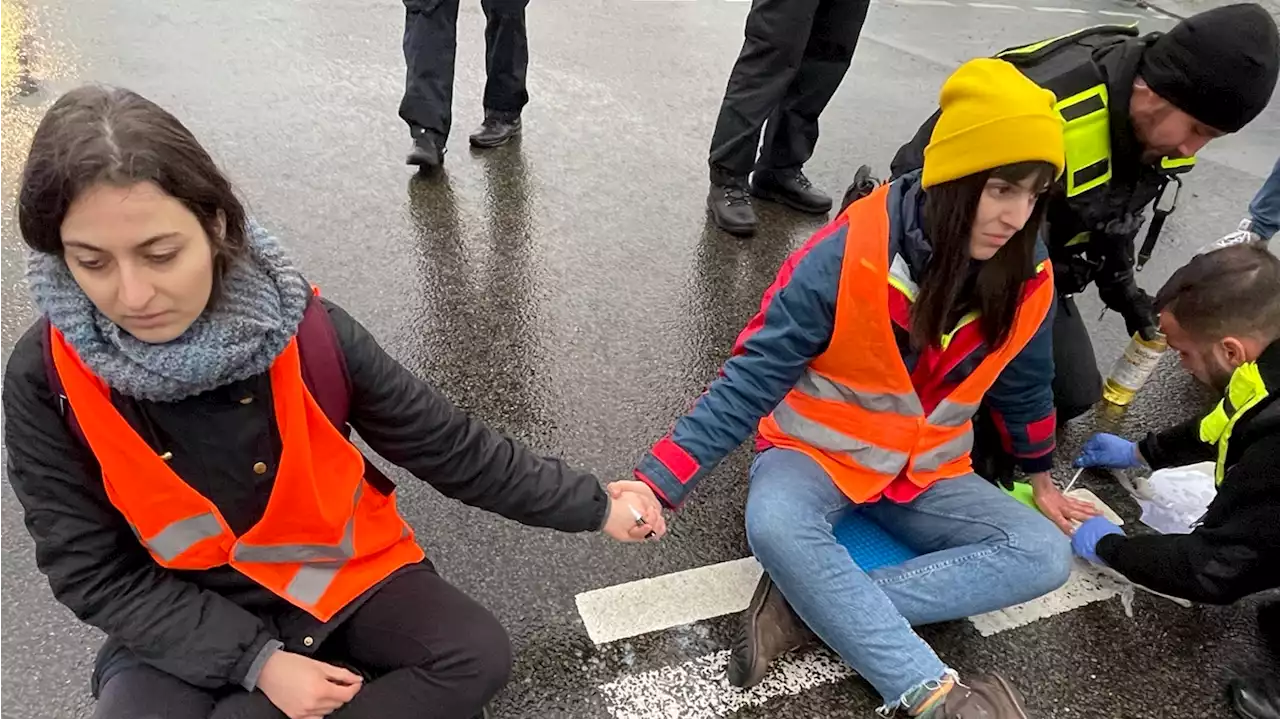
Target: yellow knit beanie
x=992 y=116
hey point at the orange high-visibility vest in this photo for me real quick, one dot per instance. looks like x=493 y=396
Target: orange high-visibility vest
x=855 y=411
x=326 y=535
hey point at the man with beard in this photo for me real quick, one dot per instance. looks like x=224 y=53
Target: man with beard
x=1221 y=312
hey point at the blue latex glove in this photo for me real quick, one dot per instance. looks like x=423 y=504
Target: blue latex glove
x=1085 y=541
x=1108 y=450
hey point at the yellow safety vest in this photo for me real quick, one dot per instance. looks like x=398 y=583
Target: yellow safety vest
x=1245 y=390
x=1085 y=112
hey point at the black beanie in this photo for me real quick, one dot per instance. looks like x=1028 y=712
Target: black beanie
x=1218 y=66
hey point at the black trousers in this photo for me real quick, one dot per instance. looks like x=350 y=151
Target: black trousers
x=1077 y=383
x=794 y=56
x=430 y=46
x=1077 y=386
x=433 y=653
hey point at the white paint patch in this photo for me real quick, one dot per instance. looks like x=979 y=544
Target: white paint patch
x=1113 y=13
x=657 y=603
x=698 y=689
x=993 y=6
x=1086 y=585
x=1072 y=10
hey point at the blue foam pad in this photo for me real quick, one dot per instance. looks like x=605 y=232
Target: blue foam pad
x=869 y=544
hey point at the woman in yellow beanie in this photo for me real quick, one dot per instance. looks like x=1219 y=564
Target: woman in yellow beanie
x=870 y=354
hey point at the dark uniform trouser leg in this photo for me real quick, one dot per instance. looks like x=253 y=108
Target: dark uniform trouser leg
x=792 y=130
x=430 y=44
x=506 y=55
x=777 y=32
x=1077 y=383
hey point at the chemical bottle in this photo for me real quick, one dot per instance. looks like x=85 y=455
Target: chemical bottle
x=1133 y=368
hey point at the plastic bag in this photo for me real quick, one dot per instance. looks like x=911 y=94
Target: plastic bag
x=1178 y=498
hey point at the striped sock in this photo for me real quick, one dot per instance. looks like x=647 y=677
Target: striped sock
x=929 y=696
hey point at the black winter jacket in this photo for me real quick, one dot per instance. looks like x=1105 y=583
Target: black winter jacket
x=209 y=628
x=1235 y=551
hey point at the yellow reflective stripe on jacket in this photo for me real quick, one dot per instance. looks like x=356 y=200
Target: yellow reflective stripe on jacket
x=1087 y=133
x=1033 y=47
x=1177 y=164
x=1245 y=390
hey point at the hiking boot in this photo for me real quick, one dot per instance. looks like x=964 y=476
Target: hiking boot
x=863 y=184
x=730 y=207
x=791 y=188
x=986 y=696
x=769 y=629
x=1255 y=698
x=498 y=129
x=427 y=152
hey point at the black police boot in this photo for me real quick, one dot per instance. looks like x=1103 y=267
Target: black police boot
x=427 y=152
x=498 y=128
x=1256 y=698
x=730 y=206
x=791 y=188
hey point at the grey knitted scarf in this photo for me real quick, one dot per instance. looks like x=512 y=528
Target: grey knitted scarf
x=262 y=300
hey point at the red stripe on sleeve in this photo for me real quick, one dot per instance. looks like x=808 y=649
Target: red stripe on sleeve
x=674 y=458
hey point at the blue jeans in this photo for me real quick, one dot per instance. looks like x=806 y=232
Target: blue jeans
x=1265 y=208
x=982 y=551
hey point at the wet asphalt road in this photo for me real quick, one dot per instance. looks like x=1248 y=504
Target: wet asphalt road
x=569 y=290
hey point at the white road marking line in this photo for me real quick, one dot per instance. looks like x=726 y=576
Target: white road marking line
x=671 y=600
x=993 y=6
x=931 y=3
x=698 y=689
x=1114 y=13
x=1160 y=15
x=1072 y=10
x=655 y=604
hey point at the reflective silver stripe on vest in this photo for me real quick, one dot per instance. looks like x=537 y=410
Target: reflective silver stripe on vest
x=931 y=460
x=952 y=414
x=182 y=535
x=816 y=434
x=305 y=553
x=817 y=386
x=311 y=581
x=320 y=562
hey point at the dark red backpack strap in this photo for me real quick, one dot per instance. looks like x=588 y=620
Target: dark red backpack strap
x=324 y=370
x=324 y=366
x=55 y=382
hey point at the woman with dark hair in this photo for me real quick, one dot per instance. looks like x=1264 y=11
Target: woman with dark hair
x=869 y=357
x=178 y=431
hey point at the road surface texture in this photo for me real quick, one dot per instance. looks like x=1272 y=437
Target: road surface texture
x=569 y=290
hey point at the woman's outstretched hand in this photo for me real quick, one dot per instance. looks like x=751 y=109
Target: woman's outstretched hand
x=1062 y=510
x=304 y=688
x=627 y=498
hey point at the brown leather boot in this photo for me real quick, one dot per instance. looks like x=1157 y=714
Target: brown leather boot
x=769 y=629
x=985 y=696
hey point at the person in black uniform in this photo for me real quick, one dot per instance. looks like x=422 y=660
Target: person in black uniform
x=1136 y=110
x=1221 y=313
x=430 y=43
x=795 y=54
